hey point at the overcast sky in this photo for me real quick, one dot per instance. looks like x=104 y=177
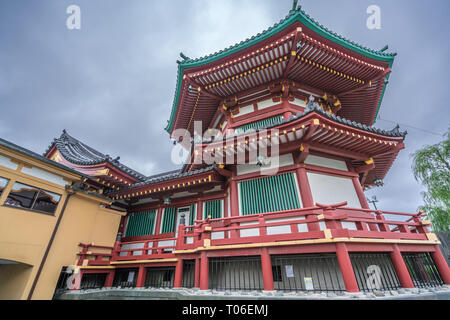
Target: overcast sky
x=111 y=84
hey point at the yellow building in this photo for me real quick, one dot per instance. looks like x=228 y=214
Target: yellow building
x=45 y=213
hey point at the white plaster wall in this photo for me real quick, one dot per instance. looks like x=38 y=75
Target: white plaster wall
x=284 y=160
x=44 y=175
x=245 y=110
x=328 y=189
x=132 y=246
x=325 y=162
x=254 y=232
x=266 y=104
x=299 y=102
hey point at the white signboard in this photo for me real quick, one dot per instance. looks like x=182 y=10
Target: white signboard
x=309 y=284
x=130 y=276
x=290 y=271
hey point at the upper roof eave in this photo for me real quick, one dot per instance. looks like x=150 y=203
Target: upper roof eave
x=293 y=16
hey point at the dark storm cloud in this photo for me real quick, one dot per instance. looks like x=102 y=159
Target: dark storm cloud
x=111 y=84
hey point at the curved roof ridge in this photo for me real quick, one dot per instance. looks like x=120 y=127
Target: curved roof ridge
x=294 y=15
x=79 y=153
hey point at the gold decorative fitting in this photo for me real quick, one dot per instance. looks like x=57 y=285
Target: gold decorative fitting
x=432 y=237
x=327 y=234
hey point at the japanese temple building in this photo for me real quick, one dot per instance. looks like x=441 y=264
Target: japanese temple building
x=282 y=146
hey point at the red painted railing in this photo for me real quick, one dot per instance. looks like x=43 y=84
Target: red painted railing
x=90 y=258
x=319 y=222
x=148 y=249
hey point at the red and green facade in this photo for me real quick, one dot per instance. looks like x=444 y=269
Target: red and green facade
x=306 y=98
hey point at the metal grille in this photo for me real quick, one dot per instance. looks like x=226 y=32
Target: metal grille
x=269 y=194
x=213 y=209
x=160 y=277
x=93 y=280
x=422 y=269
x=374 y=271
x=125 y=278
x=140 y=223
x=235 y=273
x=188 y=273
x=260 y=124
x=192 y=214
x=307 y=273
x=168 y=223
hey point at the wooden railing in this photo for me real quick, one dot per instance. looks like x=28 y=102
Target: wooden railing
x=319 y=222
x=87 y=257
x=147 y=249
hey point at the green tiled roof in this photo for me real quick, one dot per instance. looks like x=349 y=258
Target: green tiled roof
x=293 y=16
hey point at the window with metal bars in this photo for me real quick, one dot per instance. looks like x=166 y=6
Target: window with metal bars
x=269 y=194
x=93 y=280
x=422 y=270
x=188 y=273
x=125 y=277
x=213 y=209
x=141 y=224
x=307 y=272
x=168 y=222
x=160 y=277
x=236 y=273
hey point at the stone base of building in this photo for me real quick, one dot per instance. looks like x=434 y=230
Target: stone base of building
x=436 y=293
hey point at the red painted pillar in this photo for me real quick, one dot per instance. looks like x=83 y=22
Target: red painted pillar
x=197 y=273
x=360 y=193
x=204 y=271
x=158 y=220
x=266 y=266
x=234 y=198
x=199 y=210
x=287 y=115
x=400 y=268
x=178 y=282
x=346 y=268
x=234 y=205
x=363 y=200
x=109 y=279
x=141 y=277
x=441 y=264
x=306 y=194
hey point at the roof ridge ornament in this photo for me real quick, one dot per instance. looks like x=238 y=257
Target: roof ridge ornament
x=294 y=5
x=384 y=48
x=184 y=57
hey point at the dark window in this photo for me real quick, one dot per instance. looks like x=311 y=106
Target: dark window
x=24 y=196
x=276 y=272
x=3 y=183
x=168 y=275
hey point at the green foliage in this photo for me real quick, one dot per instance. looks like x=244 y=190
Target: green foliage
x=431 y=166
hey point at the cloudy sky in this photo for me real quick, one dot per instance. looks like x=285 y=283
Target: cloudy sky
x=111 y=84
